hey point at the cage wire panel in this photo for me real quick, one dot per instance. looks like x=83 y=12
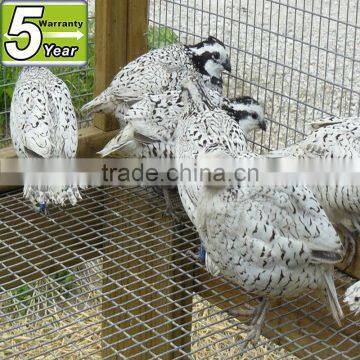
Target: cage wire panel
x=300 y=58
x=80 y=81
x=111 y=278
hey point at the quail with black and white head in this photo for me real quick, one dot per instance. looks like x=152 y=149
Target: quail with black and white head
x=160 y=71
x=273 y=242
x=334 y=138
x=152 y=122
x=154 y=119
x=43 y=125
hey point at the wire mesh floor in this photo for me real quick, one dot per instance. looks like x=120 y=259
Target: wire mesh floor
x=111 y=278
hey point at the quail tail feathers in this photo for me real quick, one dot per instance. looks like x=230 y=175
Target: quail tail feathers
x=102 y=103
x=114 y=144
x=332 y=297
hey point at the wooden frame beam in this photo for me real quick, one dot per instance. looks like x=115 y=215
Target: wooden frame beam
x=91 y=140
x=121 y=27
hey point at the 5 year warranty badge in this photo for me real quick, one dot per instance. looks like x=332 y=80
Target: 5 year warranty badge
x=44 y=32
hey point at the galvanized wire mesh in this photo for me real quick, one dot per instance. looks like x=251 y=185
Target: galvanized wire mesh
x=80 y=81
x=112 y=276
x=298 y=57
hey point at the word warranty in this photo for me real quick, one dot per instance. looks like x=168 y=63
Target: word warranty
x=65 y=24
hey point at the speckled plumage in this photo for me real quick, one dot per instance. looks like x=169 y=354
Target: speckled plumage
x=271 y=241
x=333 y=138
x=151 y=122
x=43 y=124
x=194 y=135
x=159 y=71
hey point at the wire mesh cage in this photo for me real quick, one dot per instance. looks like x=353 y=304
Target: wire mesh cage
x=111 y=278
x=299 y=58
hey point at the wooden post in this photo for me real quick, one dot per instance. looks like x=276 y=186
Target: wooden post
x=120 y=37
x=121 y=28
x=146 y=308
x=137 y=28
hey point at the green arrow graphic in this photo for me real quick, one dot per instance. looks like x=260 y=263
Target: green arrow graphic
x=55 y=35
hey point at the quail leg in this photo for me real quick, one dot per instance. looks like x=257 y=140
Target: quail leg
x=258 y=315
x=43 y=209
x=257 y=323
x=248 y=312
x=170 y=209
x=157 y=190
x=198 y=256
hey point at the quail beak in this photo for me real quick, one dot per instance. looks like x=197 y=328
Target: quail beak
x=227 y=65
x=263 y=125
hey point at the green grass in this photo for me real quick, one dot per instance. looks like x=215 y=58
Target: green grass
x=66 y=279
x=159 y=37
x=8 y=78
x=21 y=300
x=28 y=295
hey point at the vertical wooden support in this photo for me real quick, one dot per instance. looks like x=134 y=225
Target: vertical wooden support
x=120 y=37
x=147 y=311
x=142 y=290
x=137 y=28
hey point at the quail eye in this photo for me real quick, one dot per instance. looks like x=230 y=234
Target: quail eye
x=216 y=56
x=255 y=116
